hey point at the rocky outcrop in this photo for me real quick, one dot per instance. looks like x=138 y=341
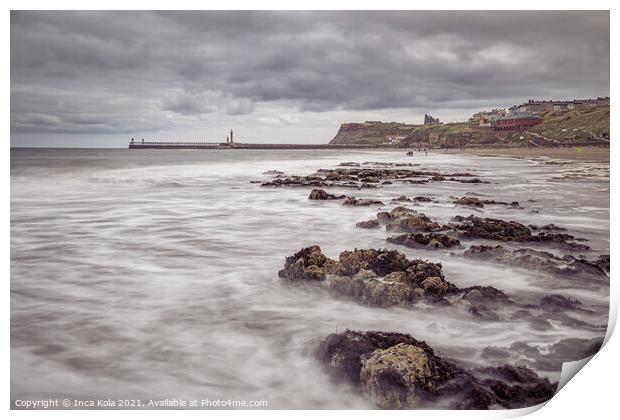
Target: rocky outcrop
x=405 y=199
x=396 y=371
x=469 y=181
x=368 y=224
x=484 y=294
x=549 y=226
x=421 y=240
x=422 y=199
x=273 y=172
x=308 y=264
x=476 y=202
x=559 y=303
x=317 y=194
x=402 y=219
x=540 y=260
x=487 y=228
x=402 y=199
x=361 y=202
x=369 y=276
x=500 y=230
x=365 y=177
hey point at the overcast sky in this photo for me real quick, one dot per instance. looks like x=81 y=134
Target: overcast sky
x=96 y=79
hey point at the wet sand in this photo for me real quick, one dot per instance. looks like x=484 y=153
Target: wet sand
x=597 y=154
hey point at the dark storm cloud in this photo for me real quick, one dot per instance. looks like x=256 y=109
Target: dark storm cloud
x=123 y=72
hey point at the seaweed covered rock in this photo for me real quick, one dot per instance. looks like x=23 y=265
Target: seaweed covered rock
x=377 y=277
x=381 y=261
x=396 y=371
x=488 y=228
x=501 y=230
x=484 y=294
x=317 y=194
x=402 y=219
x=396 y=377
x=421 y=240
x=343 y=352
x=373 y=291
x=308 y=264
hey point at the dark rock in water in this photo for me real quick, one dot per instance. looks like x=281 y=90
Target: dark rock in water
x=470 y=201
x=485 y=301
x=422 y=199
x=500 y=230
x=273 y=172
x=558 y=302
x=479 y=294
x=367 y=289
x=405 y=199
x=396 y=371
x=488 y=228
x=562 y=239
x=420 y=240
x=317 y=194
x=368 y=224
x=381 y=261
x=469 y=181
x=551 y=359
x=517 y=387
x=371 y=277
x=537 y=260
x=343 y=352
x=402 y=219
x=549 y=226
x=295 y=181
x=402 y=198
x=352 y=175
x=603 y=262
x=308 y=264
x=360 y=202
x=483 y=313
x=476 y=202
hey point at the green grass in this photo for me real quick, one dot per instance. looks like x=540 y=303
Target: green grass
x=576 y=123
x=568 y=125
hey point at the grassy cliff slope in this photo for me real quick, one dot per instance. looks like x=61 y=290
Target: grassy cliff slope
x=576 y=124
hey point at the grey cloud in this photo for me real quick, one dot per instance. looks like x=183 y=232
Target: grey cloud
x=121 y=72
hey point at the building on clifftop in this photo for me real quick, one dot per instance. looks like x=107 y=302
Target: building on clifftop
x=429 y=120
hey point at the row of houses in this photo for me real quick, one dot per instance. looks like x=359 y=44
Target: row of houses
x=539 y=107
x=522 y=117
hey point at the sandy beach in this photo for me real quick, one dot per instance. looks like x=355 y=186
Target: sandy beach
x=598 y=154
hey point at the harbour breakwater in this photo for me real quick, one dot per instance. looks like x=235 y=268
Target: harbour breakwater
x=265 y=146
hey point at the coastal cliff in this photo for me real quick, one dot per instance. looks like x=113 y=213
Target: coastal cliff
x=575 y=126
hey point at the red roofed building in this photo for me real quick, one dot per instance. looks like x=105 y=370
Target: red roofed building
x=517 y=122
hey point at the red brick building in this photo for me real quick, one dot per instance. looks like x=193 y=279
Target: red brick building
x=517 y=122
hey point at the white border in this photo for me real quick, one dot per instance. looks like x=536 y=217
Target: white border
x=592 y=395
